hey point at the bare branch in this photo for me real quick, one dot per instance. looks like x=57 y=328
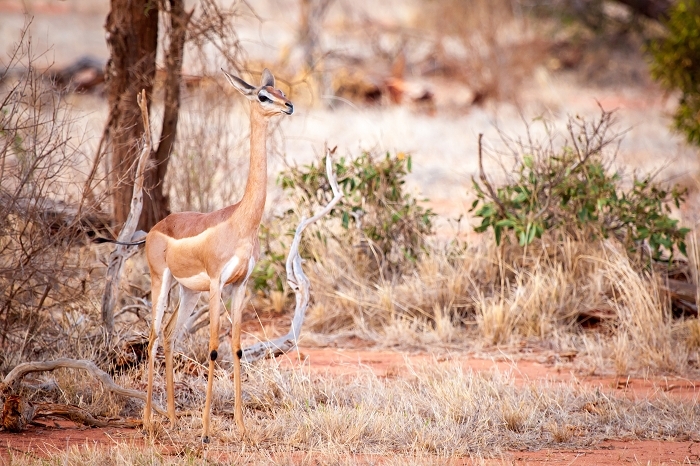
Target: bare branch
x=297 y=280
x=121 y=252
x=486 y=182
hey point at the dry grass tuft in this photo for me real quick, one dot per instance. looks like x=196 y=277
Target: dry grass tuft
x=645 y=334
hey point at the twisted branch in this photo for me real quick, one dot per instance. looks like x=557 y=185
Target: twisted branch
x=297 y=280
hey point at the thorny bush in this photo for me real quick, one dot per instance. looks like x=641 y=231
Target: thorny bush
x=42 y=275
x=573 y=190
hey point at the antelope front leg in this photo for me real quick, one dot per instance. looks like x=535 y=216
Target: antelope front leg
x=171 y=332
x=214 y=300
x=160 y=288
x=237 y=311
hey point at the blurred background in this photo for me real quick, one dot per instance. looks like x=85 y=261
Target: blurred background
x=422 y=77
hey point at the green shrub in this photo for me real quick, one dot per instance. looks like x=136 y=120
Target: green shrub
x=572 y=190
x=376 y=217
x=676 y=65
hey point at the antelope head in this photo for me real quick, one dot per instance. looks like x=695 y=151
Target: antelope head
x=272 y=101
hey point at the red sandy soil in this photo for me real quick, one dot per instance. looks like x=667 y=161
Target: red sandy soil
x=616 y=452
x=45 y=442
x=50 y=440
x=536 y=367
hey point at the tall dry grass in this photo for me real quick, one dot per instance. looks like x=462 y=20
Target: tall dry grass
x=489 y=296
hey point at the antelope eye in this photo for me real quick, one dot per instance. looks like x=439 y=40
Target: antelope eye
x=264 y=98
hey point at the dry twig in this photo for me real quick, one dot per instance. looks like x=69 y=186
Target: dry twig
x=485 y=180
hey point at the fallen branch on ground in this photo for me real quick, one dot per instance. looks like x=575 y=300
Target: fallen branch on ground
x=17 y=413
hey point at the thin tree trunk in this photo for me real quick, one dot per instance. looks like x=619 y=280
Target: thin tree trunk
x=159 y=206
x=132 y=38
x=654 y=9
x=311 y=17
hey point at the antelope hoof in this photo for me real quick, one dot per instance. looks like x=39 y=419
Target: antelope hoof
x=205 y=439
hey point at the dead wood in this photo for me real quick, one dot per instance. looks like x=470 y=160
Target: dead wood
x=84 y=74
x=654 y=9
x=297 y=280
x=58 y=216
x=680 y=289
x=81 y=416
x=122 y=252
x=683 y=296
x=12 y=379
x=18 y=413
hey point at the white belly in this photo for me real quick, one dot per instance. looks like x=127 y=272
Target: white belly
x=199 y=282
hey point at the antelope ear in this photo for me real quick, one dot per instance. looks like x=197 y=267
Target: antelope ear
x=267 y=79
x=242 y=86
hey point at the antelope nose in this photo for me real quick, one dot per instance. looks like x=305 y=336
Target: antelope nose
x=290 y=107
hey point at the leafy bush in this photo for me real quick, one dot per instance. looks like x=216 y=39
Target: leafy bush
x=676 y=65
x=376 y=216
x=573 y=190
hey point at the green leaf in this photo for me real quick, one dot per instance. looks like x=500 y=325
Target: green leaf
x=487 y=210
x=530 y=233
x=522 y=238
x=506 y=222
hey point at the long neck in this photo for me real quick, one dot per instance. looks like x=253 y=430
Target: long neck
x=253 y=202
